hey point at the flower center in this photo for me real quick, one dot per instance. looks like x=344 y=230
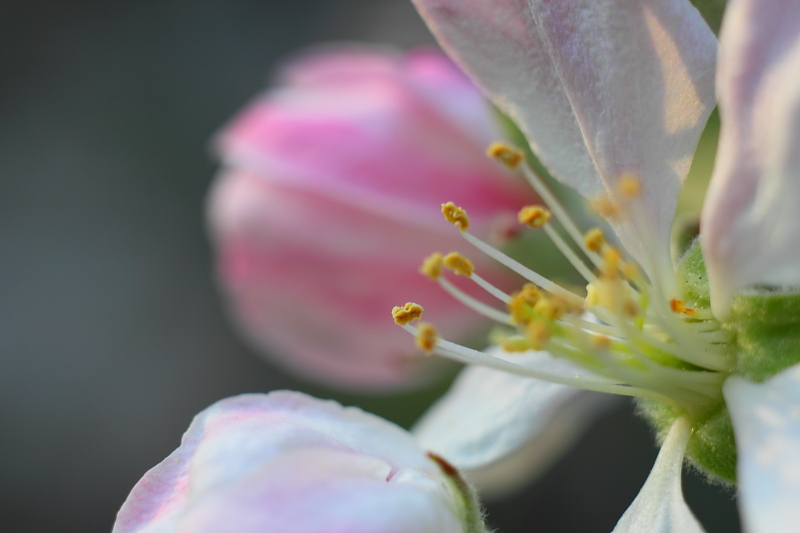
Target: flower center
x=633 y=337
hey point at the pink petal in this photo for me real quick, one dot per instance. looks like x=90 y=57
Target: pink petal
x=288 y=462
x=751 y=219
x=330 y=199
x=600 y=87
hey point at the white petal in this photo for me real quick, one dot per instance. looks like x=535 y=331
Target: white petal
x=504 y=429
x=659 y=507
x=766 y=421
x=751 y=219
x=600 y=88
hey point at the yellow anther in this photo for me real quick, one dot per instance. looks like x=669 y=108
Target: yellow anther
x=534 y=216
x=459 y=264
x=550 y=308
x=406 y=314
x=507 y=155
x=678 y=306
x=432 y=266
x=531 y=293
x=592 y=296
x=515 y=344
x=455 y=215
x=630 y=309
x=426 y=337
x=604 y=206
x=629 y=270
x=538 y=334
x=612 y=259
x=629 y=186
x=594 y=240
x=520 y=306
x=600 y=342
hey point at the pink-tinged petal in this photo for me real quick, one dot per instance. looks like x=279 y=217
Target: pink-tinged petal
x=288 y=462
x=601 y=88
x=659 y=507
x=330 y=198
x=317 y=294
x=502 y=429
x=766 y=421
x=751 y=218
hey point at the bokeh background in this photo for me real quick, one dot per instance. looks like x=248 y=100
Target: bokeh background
x=111 y=331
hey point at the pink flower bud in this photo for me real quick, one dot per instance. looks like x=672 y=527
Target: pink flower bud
x=289 y=463
x=329 y=199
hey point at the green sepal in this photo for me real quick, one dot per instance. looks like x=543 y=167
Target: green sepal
x=463 y=496
x=767 y=328
x=711 y=449
x=693 y=277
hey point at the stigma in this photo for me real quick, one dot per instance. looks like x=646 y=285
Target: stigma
x=634 y=336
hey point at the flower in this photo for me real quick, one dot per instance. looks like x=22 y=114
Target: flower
x=325 y=203
x=288 y=462
x=613 y=95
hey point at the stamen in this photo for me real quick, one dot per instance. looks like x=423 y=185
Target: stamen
x=465 y=355
x=515 y=343
x=491 y=289
x=678 y=306
x=534 y=216
x=595 y=240
x=537 y=334
x=459 y=264
x=521 y=304
x=476 y=305
x=432 y=266
x=643 y=344
x=571 y=256
x=555 y=206
x=521 y=269
x=507 y=155
x=456 y=216
x=427 y=337
x=406 y=314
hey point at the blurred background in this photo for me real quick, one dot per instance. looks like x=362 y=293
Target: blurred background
x=111 y=331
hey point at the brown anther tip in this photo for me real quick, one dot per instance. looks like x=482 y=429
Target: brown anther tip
x=456 y=216
x=678 y=306
x=534 y=216
x=505 y=154
x=407 y=314
x=459 y=264
x=427 y=337
x=594 y=240
x=432 y=266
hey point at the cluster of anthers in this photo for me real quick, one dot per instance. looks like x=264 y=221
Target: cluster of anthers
x=632 y=338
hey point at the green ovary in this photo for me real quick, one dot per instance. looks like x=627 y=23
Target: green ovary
x=764 y=327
